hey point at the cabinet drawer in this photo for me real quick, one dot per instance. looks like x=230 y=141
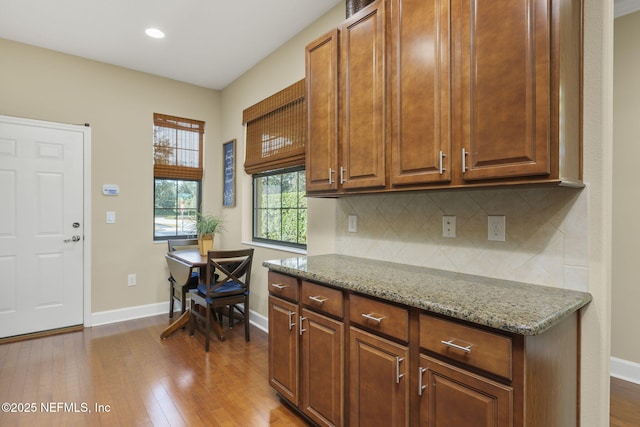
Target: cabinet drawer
x=323 y=299
x=381 y=317
x=474 y=347
x=283 y=286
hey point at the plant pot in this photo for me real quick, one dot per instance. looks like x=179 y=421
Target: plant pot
x=205 y=244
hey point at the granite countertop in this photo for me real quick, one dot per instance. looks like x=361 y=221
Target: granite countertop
x=510 y=306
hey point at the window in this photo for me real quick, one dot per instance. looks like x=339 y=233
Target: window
x=280 y=208
x=177 y=170
x=275 y=156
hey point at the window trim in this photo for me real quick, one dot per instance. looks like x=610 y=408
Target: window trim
x=198 y=203
x=262 y=240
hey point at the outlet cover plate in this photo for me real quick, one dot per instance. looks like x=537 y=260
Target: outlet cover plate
x=496 y=228
x=448 y=226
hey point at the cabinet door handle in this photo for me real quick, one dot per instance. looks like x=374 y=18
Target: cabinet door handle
x=291 y=322
x=398 y=374
x=278 y=286
x=300 y=329
x=342 y=171
x=464 y=160
x=451 y=344
x=441 y=167
x=331 y=172
x=421 y=387
x=370 y=316
x=319 y=300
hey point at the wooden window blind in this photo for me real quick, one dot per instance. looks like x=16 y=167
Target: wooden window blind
x=276 y=131
x=177 y=147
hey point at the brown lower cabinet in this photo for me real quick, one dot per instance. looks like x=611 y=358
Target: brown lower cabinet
x=306 y=353
x=342 y=358
x=379 y=381
x=450 y=396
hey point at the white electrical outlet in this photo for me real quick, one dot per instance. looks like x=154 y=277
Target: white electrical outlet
x=496 y=227
x=353 y=224
x=448 y=226
x=131 y=280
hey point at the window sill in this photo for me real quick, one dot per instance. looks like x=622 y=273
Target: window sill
x=277 y=247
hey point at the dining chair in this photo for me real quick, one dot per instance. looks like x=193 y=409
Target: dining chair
x=228 y=278
x=182 y=286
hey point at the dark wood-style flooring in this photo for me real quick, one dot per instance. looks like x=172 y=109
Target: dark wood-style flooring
x=124 y=374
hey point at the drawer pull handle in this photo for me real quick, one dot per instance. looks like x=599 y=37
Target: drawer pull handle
x=319 y=300
x=291 y=322
x=398 y=374
x=300 y=329
x=370 y=316
x=421 y=387
x=278 y=286
x=451 y=344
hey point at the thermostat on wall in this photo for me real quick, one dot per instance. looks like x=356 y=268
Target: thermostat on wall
x=110 y=189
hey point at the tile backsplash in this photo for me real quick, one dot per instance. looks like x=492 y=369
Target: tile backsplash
x=546 y=232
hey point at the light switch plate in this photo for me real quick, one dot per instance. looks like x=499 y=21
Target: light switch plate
x=353 y=224
x=111 y=217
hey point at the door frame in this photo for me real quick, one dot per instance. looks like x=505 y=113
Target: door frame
x=86 y=155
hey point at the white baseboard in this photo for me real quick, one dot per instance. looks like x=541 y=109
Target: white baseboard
x=129 y=313
x=138 y=312
x=625 y=370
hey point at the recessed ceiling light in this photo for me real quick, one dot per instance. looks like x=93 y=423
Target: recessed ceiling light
x=155 y=33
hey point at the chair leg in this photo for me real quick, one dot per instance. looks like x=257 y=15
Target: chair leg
x=231 y=320
x=192 y=321
x=208 y=327
x=246 y=320
x=184 y=300
x=171 y=300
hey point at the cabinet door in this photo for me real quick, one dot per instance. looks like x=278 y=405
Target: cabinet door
x=283 y=348
x=379 y=384
x=505 y=88
x=322 y=369
x=321 y=59
x=421 y=92
x=362 y=98
x=453 y=397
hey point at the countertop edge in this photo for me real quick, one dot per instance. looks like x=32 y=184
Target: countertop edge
x=496 y=320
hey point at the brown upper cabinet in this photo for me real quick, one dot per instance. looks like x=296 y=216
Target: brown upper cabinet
x=346 y=97
x=480 y=94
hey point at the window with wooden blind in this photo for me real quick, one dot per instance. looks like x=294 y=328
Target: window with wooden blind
x=276 y=131
x=177 y=170
x=275 y=156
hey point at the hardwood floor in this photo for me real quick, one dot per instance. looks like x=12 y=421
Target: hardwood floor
x=124 y=374
x=137 y=379
x=625 y=404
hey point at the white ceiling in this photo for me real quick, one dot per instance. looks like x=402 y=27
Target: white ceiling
x=208 y=42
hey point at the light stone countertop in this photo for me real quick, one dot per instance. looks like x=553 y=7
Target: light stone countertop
x=510 y=306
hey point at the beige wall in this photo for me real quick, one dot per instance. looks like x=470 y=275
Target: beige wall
x=625 y=316
x=119 y=104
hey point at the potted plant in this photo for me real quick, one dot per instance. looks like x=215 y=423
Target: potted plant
x=206 y=225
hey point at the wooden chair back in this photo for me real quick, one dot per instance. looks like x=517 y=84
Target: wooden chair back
x=180 y=244
x=228 y=266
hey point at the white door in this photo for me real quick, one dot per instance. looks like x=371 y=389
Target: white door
x=41 y=226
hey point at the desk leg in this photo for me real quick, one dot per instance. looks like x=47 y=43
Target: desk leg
x=178 y=324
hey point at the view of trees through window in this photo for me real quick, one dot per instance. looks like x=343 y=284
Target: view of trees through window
x=175 y=207
x=280 y=208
